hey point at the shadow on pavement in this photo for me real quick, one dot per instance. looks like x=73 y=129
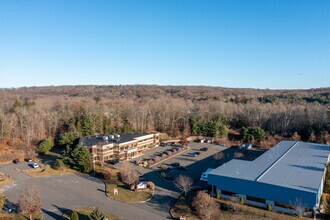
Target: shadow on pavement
x=51 y=214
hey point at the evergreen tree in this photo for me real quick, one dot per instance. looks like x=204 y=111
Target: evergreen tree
x=68 y=138
x=46 y=145
x=74 y=216
x=82 y=159
x=97 y=214
x=253 y=133
x=87 y=125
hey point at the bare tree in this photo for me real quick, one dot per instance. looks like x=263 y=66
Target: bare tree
x=218 y=156
x=238 y=155
x=29 y=202
x=298 y=207
x=296 y=136
x=184 y=183
x=128 y=174
x=206 y=207
x=326 y=205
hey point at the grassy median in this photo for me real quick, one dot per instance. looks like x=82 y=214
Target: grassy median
x=127 y=195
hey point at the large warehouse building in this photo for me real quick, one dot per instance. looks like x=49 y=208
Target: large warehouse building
x=289 y=172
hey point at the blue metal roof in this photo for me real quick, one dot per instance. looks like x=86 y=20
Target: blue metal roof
x=289 y=165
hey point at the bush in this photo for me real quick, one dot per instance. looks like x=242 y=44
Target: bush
x=151 y=185
x=253 y=134
x=74 y=216
x=242 y=201
x=269 y=207
x=97 y=214
x=218 y=195
x=58 y=165
x=46 y=145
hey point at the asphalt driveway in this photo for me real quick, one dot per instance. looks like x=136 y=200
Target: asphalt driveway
x=61 y=193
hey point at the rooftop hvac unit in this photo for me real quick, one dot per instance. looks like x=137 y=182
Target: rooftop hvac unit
x=111 y=137
x=117 y=135
x=105 y=138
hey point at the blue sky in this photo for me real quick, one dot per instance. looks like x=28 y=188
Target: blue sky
x=255 y=44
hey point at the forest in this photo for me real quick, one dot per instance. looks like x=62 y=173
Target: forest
x=30 y=115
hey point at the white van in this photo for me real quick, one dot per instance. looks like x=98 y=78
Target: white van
x=204 y=176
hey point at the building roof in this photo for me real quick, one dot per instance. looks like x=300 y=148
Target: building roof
x=98 y=140
x=290 y=164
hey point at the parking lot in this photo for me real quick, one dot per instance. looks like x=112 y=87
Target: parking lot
x=200 y=163
x=16 y=170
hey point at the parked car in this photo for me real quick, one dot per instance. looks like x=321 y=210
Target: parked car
x=16 y=161
x=222 y=144
x=141 y=185
x=182 y=168
x=176 y=164
x=35 y=165
x=204 y=149
x=158 y=154
x=114 y=162
x=28 y=159
x=245 y=146
x=204 y=176
x=197 y=153
x=191 y=155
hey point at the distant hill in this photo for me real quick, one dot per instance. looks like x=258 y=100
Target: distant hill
x=195 y=93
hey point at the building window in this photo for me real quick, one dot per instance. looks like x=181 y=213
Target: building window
x=227 y=193
x=282 y=205
x=255 y=199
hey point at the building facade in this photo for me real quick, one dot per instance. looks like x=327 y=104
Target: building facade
x=114 y=146
x=287 y=174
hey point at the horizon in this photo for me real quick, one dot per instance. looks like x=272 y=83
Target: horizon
x=109 y=85
x=231 y=44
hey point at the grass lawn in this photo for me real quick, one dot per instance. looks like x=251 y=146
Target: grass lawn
x=84 y=214
x=127 y=195
x=48 y=171
x=242 y=212
x=124 y=194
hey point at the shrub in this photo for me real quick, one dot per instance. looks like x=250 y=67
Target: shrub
x=58 y=165
x=46 y=145
x=242 y=201
x=269 y=207
x=97 y=214
x=74 y=216
x=151 y=185
x=218 y=195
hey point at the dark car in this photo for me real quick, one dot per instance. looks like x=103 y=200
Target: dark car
x=204 y=149
x=182 y=168
x=16 y=161
x=28 y=159
x=197 y=153
x=191 y=155
x=176 y=164
x=158 y=154
x=113 y=162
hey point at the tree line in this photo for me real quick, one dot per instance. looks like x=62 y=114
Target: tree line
x=29 y=116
